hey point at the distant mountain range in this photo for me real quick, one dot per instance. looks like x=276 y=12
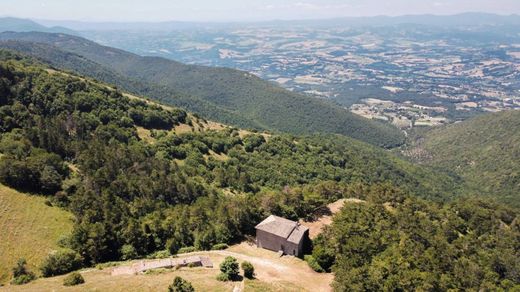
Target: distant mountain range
x=225 y=95
x=464 y=19
x=26 y=25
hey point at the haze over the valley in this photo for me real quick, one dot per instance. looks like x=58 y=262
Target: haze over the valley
x=239 y=10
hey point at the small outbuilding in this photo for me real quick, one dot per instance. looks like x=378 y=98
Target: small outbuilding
x=282 y=235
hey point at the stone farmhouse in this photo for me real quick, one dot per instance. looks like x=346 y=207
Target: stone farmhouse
x=282 y=235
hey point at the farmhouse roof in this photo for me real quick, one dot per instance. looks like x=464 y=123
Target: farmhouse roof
x=290 y=230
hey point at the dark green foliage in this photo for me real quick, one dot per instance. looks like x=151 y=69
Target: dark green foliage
x=225 y=95
x=128 y=252
x=180 y=285
x=484 y=151
x=323 y=255
x=132 y=198
x=249 y=269
x=229 y=269
x=60 y=263
x=20 y=273
x=311 y=261
x=28 y=168
x=252 y=142
x=409 y=244
x=73 y=279
x=187 y=249
x=219 y=246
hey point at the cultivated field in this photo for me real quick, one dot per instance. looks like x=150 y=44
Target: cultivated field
x=29 y=229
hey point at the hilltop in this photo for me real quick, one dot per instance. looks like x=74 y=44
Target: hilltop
x=484 y=151
x=119 y=163
x=224 y=95
x=146 y=180
x=27 y=25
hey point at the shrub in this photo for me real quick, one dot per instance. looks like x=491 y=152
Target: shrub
x=20 y=273
x=229 y=269
x=60 y=263
x=180 y=285
x=73 y=279
x=220 y=246
x=311 y=261
x=23 y=279
x=128 y=252
x=161 y=254
x=187 y=249
x=249 y=270
x=223 y=277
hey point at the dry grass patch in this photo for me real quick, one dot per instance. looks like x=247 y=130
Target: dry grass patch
x=29 y=228
x=316 y=227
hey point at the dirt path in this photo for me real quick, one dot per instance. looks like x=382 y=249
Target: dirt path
x=269 y=267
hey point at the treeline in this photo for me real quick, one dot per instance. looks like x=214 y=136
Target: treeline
x=76 y=142
x=395 y=242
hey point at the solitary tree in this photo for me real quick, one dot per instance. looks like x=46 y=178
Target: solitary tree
x=229 y=269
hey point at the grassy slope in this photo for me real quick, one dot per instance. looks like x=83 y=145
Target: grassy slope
x=225 y=95
x=29 y=228
x=485 y=151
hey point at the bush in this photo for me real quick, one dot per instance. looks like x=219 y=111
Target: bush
x=311 y=261
x=180 y=285
x=229 y=269
x=187 y=249
x=23 y=279
x=73 y=279
x=60 y=263
x=162 y=254
x=220 y=246
x=223 y=277
x=128 y=252
x=20 y=273
x=249 y=270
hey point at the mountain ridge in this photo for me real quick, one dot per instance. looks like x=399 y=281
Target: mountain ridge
x=483 y=150
x=248 y=97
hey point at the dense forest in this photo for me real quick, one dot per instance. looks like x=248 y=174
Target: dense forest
x=484 y=151
x=225 y=95
x=78 y=143
x=396 y=242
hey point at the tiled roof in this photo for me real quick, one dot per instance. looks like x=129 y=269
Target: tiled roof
x=282 y=227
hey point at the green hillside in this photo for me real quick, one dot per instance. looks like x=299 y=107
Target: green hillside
x=79 y=143
x=224 y=95
x=30 y=229
x=394 y=242
x=484 y=151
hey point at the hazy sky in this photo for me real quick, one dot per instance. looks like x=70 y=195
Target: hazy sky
x=239 y=10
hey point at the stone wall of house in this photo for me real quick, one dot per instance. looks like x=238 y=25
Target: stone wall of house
x=275 y=243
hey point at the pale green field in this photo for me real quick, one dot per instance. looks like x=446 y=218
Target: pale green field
x=28 y=229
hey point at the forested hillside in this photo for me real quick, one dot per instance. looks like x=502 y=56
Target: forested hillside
x=78 y=143
x=485 y=151
x=394 y=242
x=225 y=95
